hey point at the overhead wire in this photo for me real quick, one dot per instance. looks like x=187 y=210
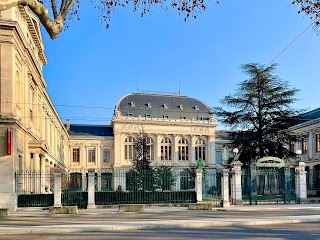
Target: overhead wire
x=291 y=43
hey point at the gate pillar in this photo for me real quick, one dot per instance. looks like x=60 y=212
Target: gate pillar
x=198 y=184
x=91 y=188
x=236 y=188
x=301 y=183
x=57 y=188
x=225 y=188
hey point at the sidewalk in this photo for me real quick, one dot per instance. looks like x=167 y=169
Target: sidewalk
x=36 y=221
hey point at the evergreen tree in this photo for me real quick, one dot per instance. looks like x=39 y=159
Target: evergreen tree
x=141 y=177
x=261 y=107
x=141 y=161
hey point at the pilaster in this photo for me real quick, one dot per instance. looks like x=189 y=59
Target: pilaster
x=225 y=188
x=57 y=188
x=91 y=189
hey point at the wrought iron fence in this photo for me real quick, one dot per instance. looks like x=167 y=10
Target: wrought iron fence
x=34 y=189
x=313 y=183
x=147 y=187
x=211 y=187
x=73 y=189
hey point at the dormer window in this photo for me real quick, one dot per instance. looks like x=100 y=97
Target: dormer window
x=148 y=116
x=149 y=104
x=181 y=106
x=196 y=107
x=165 y=106
x=165 y=116
x=129 y=114
x=133 y=104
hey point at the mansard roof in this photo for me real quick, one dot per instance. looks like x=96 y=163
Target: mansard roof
x=311 y=115
x=91 y=130
x=163 y=106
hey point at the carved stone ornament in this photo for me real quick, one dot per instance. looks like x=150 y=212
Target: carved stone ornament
x=117 y=114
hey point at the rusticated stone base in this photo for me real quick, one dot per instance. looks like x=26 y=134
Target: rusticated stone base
x=63 y=210
x=4 y=212
x=200 y=206
x=131 y=208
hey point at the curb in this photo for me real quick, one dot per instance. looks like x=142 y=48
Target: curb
x=60 y=229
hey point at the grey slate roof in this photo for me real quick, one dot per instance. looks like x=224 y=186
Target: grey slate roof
x=161 y=106
x=91 y=130
x=311 y=115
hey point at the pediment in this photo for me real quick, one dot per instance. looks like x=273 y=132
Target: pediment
x=39 y=144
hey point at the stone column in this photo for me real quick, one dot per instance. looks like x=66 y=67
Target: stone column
x=99 y=180
x=97 y=150
x=47 y=180
x=236 y=183
x=178 y=180
x=43 y=174
x=84 y=181
x=198 y=185
x=36 y=169
x=157 y=151
x=117 y=150
x=212 y=152
x=175 y=154
x=83 y=158
x=225 y=188
x=91 y=188
x=301 y=184
x=192 y=151
x=57 y=188
x=310 y=145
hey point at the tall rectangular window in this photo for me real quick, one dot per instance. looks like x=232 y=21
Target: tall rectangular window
x=76 y=155
x=304 y=145
x=91 y=156
x=318 y=143
x=106 y=156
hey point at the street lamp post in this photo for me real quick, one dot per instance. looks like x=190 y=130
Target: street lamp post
x=235 y=151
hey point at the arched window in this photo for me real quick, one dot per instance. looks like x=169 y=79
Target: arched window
x=18 y=89
x=129 y=148
x=183 y=149
x=200 y=149
x=150 y=143
x=166 y=147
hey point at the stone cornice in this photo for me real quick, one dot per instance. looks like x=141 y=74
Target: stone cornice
x=166 y=122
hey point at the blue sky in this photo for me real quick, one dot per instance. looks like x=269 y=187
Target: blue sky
x=94 y=67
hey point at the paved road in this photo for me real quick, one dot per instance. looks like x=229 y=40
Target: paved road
x=107 y=216
x=38 y=221
x=309 y=231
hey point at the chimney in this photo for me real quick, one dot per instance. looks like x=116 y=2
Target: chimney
x=68 y=125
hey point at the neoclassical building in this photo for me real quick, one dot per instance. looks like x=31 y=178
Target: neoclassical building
x=33 y=138
x=180 y=131
x=308 y=131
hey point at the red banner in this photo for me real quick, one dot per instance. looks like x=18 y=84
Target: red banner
x=9 y=142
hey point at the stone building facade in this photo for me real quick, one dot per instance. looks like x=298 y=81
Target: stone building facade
x=33 y=138
x=308 y=131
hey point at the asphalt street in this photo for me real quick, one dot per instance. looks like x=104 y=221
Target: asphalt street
x=307 y=231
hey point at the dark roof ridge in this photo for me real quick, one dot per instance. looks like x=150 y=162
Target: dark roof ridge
x=89 y=125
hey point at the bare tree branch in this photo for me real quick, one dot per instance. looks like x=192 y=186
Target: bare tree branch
x=54 y=8
x=53 y=27
x=65 y=11
x=63 y=5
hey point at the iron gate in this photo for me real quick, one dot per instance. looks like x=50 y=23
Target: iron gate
x=268 y=182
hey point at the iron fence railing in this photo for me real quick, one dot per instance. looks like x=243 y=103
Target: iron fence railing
x=313 y=183
x=268 y=185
